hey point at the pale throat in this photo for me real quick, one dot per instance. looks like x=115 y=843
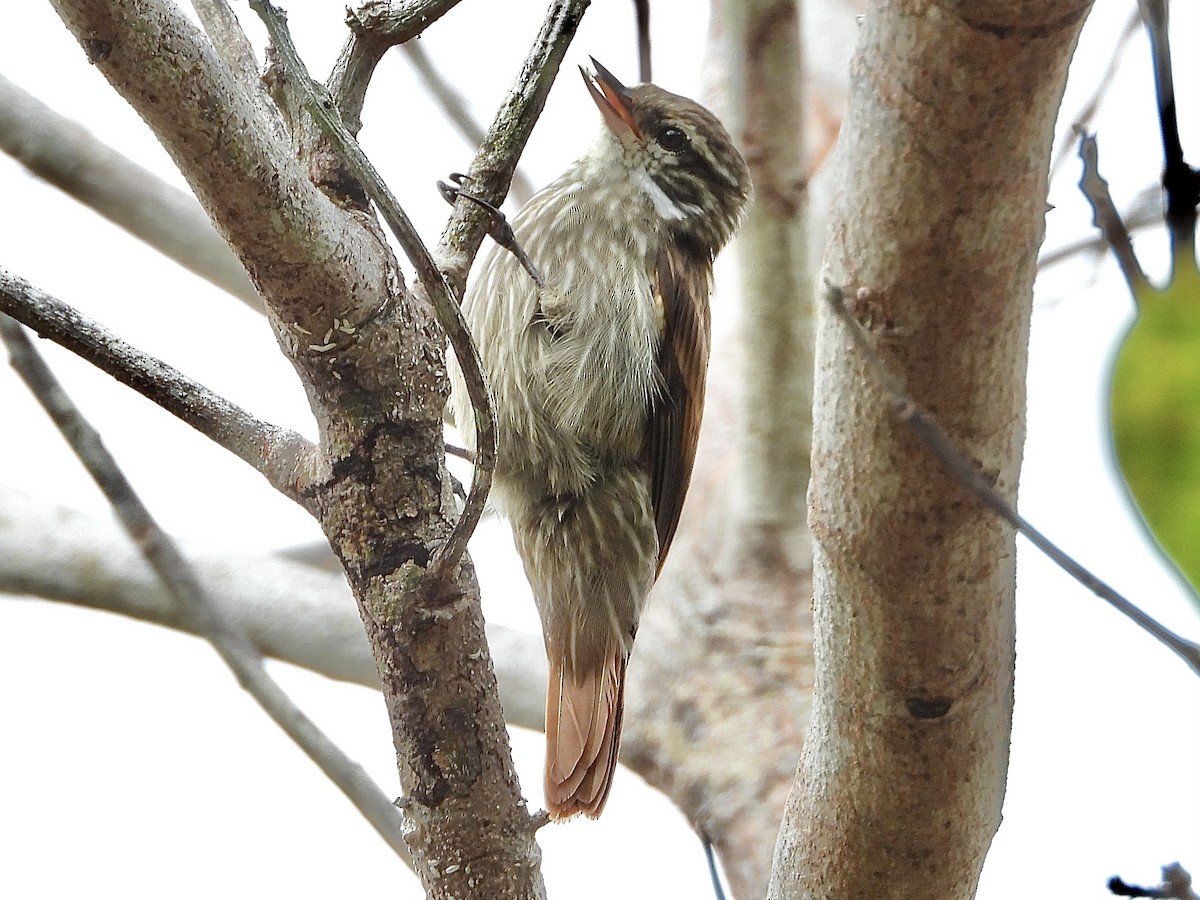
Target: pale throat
x=625 y=154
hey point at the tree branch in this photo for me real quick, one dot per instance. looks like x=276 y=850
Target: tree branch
x=241 y=167
x=375 y=27
x=289 y=610
x=371 y=359
x=177 y=577
x=227 y=36
x=285 y=458
x=324 y=113
x=1106 y=217
x=66 y=155
x=492 y=169
x=454 y=105
x=909 y=412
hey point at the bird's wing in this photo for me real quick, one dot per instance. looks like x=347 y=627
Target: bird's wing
x=682 y=283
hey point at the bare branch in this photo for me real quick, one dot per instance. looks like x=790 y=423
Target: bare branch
x=227 y=36
x=914 y=590
x=240 y=166
x=454 y=105
x=371 y=358
x=130 y=196
x=376 y=27
x=180 y=582
x=492 y=169
x=1105 y=215
x=289 y=610
x=282 y=456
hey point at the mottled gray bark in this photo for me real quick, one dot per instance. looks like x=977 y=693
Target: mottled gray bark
x=369 y=354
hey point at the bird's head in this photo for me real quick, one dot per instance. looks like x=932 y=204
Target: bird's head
x=679 y=153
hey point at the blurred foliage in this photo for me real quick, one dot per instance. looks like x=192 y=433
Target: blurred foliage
x=1155 y=407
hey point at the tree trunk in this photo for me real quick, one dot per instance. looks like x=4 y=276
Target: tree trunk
x=943 y=161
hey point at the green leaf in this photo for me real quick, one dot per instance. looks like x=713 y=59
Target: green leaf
x=1155 y=407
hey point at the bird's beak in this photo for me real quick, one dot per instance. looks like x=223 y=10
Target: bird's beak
x=612 y=98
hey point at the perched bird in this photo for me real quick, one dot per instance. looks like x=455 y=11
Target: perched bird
x=598 y=380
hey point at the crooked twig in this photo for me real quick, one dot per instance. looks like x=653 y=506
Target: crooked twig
x=320 y=106
x=1106 y=217
x=282 y=456
x=178 y=578
x=927 y=430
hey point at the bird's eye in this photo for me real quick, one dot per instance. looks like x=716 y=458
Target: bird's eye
x=672 y=139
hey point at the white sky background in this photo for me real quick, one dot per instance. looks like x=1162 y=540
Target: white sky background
x=131 y=764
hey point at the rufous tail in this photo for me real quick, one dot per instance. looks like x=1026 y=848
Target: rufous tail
x=583 y=735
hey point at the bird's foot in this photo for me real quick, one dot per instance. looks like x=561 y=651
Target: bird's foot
x=500 y=231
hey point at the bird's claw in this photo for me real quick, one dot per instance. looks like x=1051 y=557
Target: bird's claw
x=500 y=231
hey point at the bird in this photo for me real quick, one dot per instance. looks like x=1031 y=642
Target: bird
x=597 y=373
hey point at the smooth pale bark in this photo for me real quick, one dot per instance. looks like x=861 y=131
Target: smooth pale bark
x=758 y=43
x=943 y=162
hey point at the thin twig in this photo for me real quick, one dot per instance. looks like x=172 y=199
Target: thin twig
x=282 y=456
x=1106 y=218
x=324 y=113
x=499 y=229
x=927 y=430
x=641 y=10
x=1180 y=181
x=178 y=578
x=454 y=105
